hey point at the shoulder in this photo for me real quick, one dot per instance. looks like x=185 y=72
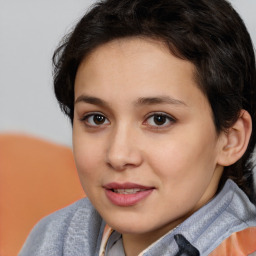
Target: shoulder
x=228 y=213
x=241 y=243
x=240 y=210
x=240 y=239
x=63 y=230
x=235 y=224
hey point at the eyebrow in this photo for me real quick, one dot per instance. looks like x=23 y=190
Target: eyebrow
x=139 y=102
x=159 y=100
x=91 y=100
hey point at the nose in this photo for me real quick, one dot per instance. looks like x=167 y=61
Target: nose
x=123 y=152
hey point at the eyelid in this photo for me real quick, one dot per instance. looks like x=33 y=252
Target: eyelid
x=90 y=114
x=168 y=116
x=161 y=114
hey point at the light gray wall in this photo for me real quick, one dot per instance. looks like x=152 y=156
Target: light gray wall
x=29 y=32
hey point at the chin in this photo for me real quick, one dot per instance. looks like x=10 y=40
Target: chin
x=128 y=227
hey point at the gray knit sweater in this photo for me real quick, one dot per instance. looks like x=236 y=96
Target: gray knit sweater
x=77 y=229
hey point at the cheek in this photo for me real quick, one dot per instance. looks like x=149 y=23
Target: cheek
x=87 y=157
x=183 y=159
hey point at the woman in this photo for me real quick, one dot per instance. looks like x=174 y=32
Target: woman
x=161 y=96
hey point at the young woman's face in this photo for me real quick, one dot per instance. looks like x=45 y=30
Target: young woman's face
x=144 y=140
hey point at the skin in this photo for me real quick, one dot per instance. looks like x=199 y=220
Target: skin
x=178 y=156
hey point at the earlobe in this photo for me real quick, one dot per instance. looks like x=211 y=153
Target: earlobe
x=236 y=140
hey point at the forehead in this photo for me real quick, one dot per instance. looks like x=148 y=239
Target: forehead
x=128 y=50
x=136 y=67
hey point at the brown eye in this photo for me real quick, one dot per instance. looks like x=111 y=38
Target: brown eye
x=99 y=119
x=95 y=120
x=159 y=119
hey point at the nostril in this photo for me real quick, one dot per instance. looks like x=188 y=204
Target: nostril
x=121 y=154
x=116 y=166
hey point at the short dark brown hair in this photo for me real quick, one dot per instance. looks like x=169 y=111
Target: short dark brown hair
x=208 y=33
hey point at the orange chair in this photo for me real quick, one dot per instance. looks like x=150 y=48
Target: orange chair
x=36 y=178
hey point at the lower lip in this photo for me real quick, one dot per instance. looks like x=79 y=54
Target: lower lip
x=127 y=199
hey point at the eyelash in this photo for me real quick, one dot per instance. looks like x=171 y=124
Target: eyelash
x=92 y=115
x=167 y=118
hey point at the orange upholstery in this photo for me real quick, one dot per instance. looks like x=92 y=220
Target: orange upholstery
x=36 y=178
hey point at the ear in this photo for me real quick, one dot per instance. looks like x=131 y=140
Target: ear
x=235 y=140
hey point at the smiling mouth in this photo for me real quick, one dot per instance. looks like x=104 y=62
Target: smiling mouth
x=127 y=194
x=128 y=191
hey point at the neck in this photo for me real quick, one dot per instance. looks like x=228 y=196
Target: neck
x=134 y=244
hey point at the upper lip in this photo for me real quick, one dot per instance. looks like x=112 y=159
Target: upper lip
x=126 y=185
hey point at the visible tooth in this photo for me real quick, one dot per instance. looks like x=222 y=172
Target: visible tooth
x=128 y=191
